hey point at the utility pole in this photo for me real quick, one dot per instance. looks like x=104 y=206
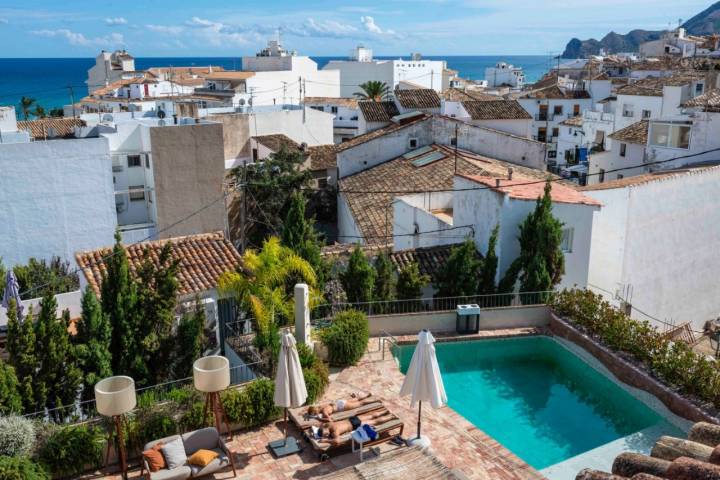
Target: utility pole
x=456 y=147
x=432 y=78
x=303 y=92
x=243 y=209
x=72 y=99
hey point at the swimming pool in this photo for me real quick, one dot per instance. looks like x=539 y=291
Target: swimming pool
x=537 y=398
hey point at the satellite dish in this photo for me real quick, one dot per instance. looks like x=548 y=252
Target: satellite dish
x=161 y=113
x=242 y=102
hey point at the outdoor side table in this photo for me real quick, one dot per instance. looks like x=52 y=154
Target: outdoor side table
x=467 y=318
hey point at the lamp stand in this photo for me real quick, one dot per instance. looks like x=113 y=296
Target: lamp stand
x=213 y=403
x=119 y=443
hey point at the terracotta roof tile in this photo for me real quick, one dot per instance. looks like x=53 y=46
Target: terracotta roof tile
x=378 y=111
x=203 y=258
x=653 y=87
x=458 y=95
x=495 y=110
x=276 y=141
x=371 y=211
x=62 y=127
x=338 y=101
x=646 y=178
x=635 y=133
x=707 y=102
x=521 y=189
x=576 y=121
x=554 y=91
x=323 y=157
x=366 y=137
x=417 y=98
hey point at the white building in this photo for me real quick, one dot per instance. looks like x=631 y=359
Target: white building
x=9 y=132
x=504 y=74
x=625 y=158
x=110 y=67
x=654 y=245
x=361 y=68
x=56 y=196
x=345 y=113
x=679 y=43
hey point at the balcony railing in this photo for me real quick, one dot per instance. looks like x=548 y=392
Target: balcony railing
x=544 y=117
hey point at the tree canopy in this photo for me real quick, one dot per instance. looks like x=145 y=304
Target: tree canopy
x=373 y=90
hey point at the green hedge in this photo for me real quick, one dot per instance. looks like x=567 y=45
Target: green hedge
x=71 y=450
x=672 y=362
x=346 y=338
x=21 y=468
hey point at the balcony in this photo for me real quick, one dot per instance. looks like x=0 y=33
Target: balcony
x=544 y=117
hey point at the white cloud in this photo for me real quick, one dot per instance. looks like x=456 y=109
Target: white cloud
x=78 y=39
x=165 y=29
x=116 y=21
x=198 y=22
x=372 y=27
x=328 y=28
x=220 y=34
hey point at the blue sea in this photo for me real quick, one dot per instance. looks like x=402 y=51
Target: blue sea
x=48 y=79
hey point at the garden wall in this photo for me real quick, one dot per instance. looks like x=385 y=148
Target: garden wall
x=630 y=373
x=444 y=321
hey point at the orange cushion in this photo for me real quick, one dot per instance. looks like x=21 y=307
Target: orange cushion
x=154 y=457
x=202 y=457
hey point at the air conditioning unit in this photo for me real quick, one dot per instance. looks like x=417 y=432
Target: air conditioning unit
x=119 y=207
x=117 y=168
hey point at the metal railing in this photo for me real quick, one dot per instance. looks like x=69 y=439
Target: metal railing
x=544 y=117
x=85 y=410
x=320 y=316
x=383 y=338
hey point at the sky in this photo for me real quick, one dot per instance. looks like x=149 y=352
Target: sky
x=73 y=28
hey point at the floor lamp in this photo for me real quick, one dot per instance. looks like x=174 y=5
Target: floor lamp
x=211 y=375
x=114 y=397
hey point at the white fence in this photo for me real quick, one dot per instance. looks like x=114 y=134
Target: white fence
x=65 y=301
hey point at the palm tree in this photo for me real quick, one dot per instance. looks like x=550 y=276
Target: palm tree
x=264 y=286
x=374 y=90
x=39 y=111
x=25 y=104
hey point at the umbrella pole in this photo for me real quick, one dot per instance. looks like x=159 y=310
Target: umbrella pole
x=419 y=414
x=286 y=425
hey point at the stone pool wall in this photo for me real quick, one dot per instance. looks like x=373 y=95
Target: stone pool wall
x=630 y=373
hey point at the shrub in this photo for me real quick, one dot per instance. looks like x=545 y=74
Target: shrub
x=17 y=435
x=306 y=354
x=71 y=450
x=155 y=425
x=251 y=405
x=317 y=379
x=674 y=363
x=347 y=338
x=21 y=468
x=183 y=396
x=193 y=419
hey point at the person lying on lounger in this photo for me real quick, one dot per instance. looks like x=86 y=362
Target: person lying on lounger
x=331 y=432
x=324 y=412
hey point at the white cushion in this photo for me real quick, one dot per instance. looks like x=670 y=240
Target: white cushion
x=174 y=453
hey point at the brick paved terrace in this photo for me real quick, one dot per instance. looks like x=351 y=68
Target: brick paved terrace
x=455 y=441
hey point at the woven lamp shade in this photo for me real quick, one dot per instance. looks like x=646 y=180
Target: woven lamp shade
x=211 y=373
x=115 y=396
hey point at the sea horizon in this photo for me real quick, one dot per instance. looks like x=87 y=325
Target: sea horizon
x=48 y=79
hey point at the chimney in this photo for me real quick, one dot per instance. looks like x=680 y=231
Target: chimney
x=510 y=172
x=497 y=183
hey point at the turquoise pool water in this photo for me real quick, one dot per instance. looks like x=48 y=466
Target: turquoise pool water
x=536 y=397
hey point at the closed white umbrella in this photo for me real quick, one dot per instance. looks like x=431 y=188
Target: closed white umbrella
x=12 y=291
x=422 y=380
x=290 y=390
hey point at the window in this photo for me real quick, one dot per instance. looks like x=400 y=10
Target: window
x=319 y=109
x=567 y=240
x=670 y=135
x=453 y=141
x=147 y=161
x=333 y=109
x=555 y=132
x=699 y=87
x=413 y=143
x=646 y=114
x=628 y=110
x=322 y=183
x=620 y=176
x=601 y=176
x=255 y=154
x=134 y=161
x=557 y=110
x=137 y=193
x=623 y=149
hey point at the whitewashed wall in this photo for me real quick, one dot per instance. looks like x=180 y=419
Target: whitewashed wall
x=56 y=198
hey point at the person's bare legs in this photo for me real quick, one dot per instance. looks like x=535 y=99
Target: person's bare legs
x=381 y=419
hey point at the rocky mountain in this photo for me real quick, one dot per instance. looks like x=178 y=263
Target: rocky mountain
x=704 y=23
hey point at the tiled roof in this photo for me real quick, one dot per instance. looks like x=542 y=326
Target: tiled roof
x=707 y=102
x=635 y=133
x=185 y=71
x=554 y=91
x=338 y=101
x=646 y=178
x=277 y=141
x=378 y=111
x=653 y=87
x=576 y=121
x=231 y=75
x=366 y=137
x=458 y=95
x=371 y=211
x=323 y=157
x=495 y=110
x=418 y=98
x=522 y=189
x=203 y=258
x=40 y=129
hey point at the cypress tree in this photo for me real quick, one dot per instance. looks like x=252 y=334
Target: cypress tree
x=488 y=269
x=93 y=343
x=384 y=289
x=300 y=236
x=118 y=299
x=10 y=399
x=21 y=349
x=541 y=264
x=460 y=275
x=190 y=341
x=358 y=279
x=410 y=282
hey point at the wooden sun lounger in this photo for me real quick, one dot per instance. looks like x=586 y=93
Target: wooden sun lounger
x=301 y=420
x=386 y=432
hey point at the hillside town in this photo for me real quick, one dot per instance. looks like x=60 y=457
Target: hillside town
x=177 y=222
